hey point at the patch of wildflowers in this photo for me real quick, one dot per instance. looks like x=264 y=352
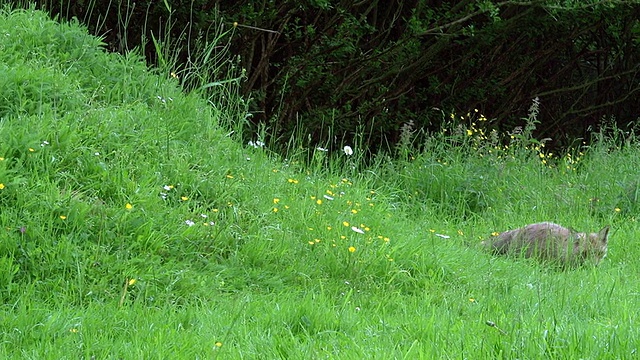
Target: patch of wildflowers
x=256 y=144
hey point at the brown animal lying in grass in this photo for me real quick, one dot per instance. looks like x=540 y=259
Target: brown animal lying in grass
x=551 y=243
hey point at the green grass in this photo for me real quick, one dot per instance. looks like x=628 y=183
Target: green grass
x=105 y=163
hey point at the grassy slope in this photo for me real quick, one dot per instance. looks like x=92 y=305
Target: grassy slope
x=268 y=273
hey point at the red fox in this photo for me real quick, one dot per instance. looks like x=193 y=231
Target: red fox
x=551 y=242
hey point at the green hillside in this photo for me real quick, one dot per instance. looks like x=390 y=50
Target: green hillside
x=135 y=225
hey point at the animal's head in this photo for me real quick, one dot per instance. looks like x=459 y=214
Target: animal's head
x=593 y=245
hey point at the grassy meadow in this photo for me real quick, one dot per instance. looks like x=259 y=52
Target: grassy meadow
x=134 y=224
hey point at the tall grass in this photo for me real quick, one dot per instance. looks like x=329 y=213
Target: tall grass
x=132 y=225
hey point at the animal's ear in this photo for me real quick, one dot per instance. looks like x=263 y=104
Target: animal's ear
x=603 y=234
